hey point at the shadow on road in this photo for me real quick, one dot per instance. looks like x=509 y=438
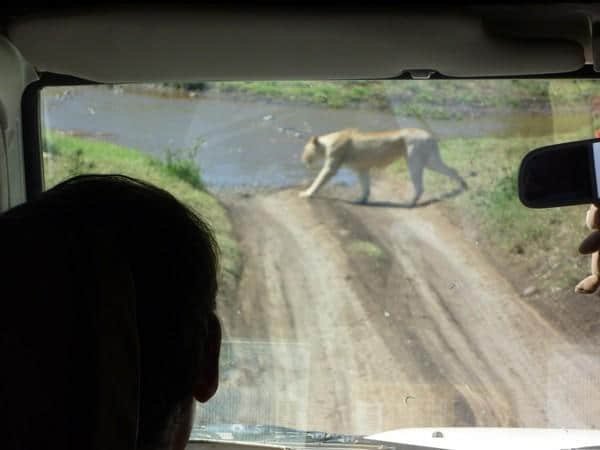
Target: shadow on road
x=384 y=204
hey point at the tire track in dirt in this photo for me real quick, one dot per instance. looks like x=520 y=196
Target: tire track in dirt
x=398 y=297
x=422 y=332
x=499 y=340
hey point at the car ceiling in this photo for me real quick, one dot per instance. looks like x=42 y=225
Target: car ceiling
x=275 y=41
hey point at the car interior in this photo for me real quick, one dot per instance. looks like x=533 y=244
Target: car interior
x=387 y=279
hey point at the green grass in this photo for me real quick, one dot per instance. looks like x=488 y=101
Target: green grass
x=181 y=162
x=367 y=248
x=545 y=241
x=435 y=99
x=331 y=94
x=70 y=156
x=428 y=99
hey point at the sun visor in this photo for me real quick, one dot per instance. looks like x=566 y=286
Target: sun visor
x=189 y=44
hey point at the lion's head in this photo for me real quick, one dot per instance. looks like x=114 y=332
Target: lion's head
x=313 y=150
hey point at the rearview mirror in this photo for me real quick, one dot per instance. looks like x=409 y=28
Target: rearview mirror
x=561 y=175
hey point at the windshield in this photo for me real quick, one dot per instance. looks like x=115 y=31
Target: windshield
x=378 y=270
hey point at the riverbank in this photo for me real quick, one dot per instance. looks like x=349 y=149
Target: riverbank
x=432 y=99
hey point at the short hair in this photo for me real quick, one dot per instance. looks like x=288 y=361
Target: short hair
x=173 y=257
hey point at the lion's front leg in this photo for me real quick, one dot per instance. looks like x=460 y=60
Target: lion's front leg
x=329 y=169
x=365 y=185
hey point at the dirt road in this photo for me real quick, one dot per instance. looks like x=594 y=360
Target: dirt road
x=360 y=319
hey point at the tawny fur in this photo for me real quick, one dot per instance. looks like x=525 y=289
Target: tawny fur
x=362 y=151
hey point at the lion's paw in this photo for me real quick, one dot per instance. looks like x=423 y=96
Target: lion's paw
x=588 y=285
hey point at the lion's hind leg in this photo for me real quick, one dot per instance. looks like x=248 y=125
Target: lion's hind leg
x=415 y=168
x=365 y=184
x=436 y=164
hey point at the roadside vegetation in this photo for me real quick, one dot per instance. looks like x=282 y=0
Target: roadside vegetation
x=68 y=156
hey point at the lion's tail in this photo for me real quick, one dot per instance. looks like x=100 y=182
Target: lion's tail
x=425 y=125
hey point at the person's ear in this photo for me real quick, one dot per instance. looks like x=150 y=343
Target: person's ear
x=208 y=381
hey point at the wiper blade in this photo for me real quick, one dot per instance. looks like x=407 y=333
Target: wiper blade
x=268 y=433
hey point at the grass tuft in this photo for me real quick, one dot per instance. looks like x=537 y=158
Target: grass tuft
x=367 y=248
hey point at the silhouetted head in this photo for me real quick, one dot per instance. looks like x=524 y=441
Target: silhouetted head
x=313 y=150
x=93 y=241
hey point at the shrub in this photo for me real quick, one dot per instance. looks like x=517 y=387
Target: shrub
x=181 y=162
x=76 y=164
x=196 y=86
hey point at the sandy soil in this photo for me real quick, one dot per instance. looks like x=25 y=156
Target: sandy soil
x=359 y=319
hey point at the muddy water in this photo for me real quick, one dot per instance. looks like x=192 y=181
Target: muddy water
x=244 y=143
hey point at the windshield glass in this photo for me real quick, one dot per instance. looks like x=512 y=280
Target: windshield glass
x=378 y=270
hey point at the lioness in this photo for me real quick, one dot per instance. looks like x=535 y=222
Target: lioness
x=362 y=151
